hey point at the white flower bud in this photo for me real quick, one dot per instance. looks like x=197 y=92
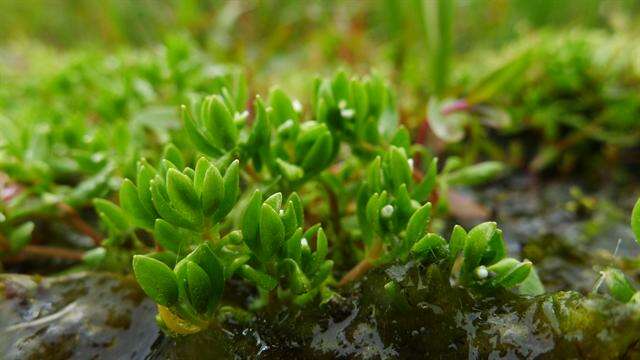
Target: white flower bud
x=387 y=211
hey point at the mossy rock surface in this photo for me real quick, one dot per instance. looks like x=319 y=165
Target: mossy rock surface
x=88 y=315
x=440 y=322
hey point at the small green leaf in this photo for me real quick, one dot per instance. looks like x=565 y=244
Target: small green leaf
x=635 y=220
x=289 y=220
x=251 y=222
x=322 y=248
x=374 y=175
x=298 y=281
x=171 y=237
x=173 y=154
x=112 y=214
x=196 y=284
x=431 y=247
x=20 y=237
x=294 y=198
x=531 y=285
x=496 y=249
x=219 y=122
x=259 y=278
x=183 y=196
x=271 y=232
x=476 y=174
x=201 y=170
x=457 y=242
x=618 y=284
x=165 y=209
x=156 y=280
x=509 y=272
x=399 y=170
x=404 y=204
x=197 y=136
x=282 y=106
x=145 y=174
x=204 y=257
x=294 y=247
x=131 y=204
x=212 y=191
x=318 y=156
x=290 y=171
x=231 y=181
x=476 y=245
x=275 y=201
x=322 y=273
x=417 y=225
x=95 y=256
x=422 y=191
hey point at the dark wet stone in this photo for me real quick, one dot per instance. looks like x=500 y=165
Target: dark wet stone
x=566 y=241
x=79 y=316
x=440 y=322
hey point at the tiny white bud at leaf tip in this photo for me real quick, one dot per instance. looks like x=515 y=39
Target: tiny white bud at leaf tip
x=386 y=211
x=482 y=272
x=297 y=106
x=281 y=212
x=304 y=242
x=347 y=113
x=410 y=162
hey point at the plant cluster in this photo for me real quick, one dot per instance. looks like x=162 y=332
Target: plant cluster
x=576 y=92
x=242 y=211
x=59 y=152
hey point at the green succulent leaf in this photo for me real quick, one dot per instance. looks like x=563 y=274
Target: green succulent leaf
x=509 y=272
x=635 y=220
x=197 y=136
x=298 y=281
x=145 y=174
x=156 y=280
x=476 y=245
x=213 y=191
x=290 y=171
x=271 y=232
x=131 y=203
x=262 y=280
x=218 y=121
x=196 y=284
x=173 y=154
x=417 y=225
x=171 y=237
x=112 y=215
x=183 y=196
x=322 y=249
x=476 y=174
x=20 y=237
x=275 y=201
x=431 y=247
x=457 y=242
x=618 y=284
x=251 y=222
x=231 y=181
x=205 y=258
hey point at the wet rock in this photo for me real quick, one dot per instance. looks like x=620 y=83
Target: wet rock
x=78 y=316
x=568 y=231
x=441 y=321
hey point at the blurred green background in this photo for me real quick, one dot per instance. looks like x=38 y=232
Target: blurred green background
x=268 y=37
